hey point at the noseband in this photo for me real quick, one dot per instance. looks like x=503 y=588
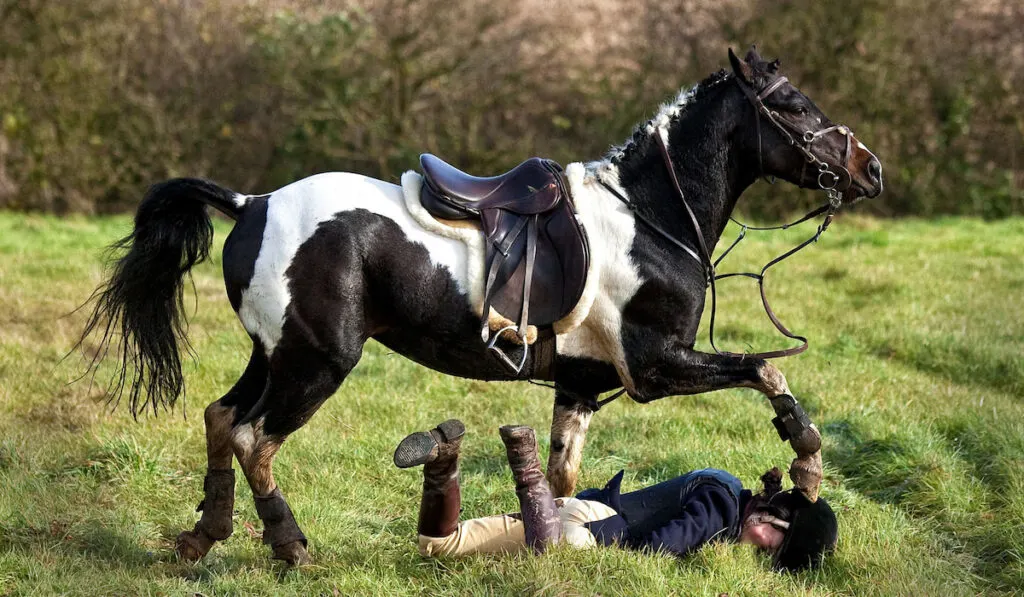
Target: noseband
x=829 y=181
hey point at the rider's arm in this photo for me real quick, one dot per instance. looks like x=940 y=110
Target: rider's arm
x=707 y=513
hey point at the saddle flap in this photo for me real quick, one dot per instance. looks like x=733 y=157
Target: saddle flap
x=560 y=269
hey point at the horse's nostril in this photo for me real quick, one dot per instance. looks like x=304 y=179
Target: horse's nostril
x=875 y=170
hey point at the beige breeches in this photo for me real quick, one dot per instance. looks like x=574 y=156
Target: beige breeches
x=504 y=533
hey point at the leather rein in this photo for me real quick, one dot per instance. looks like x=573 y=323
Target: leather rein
x=832 y=182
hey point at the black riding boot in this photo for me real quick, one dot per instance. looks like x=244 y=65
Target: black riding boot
x=438 y=451
x=540 y=515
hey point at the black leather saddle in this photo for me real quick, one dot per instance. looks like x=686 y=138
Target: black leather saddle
x=537 y=254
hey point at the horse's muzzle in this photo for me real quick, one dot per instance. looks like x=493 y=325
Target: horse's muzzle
x=875 y=176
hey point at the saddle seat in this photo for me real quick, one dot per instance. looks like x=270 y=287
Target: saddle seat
x=537 y=255
x=529 y=188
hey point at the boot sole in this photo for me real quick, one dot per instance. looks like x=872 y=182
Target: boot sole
x=421 y=447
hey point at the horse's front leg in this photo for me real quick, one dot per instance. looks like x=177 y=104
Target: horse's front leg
x=568 y=433
x=692 y=372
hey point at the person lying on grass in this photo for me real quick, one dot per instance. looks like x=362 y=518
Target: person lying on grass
x=676 y=516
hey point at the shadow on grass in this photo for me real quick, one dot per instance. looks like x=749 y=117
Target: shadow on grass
x=954 y=483
x=999 y=370
x=92 y=540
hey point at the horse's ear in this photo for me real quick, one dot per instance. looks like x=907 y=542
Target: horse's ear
x=753 y=58
x=773 y=66
x=742 y=69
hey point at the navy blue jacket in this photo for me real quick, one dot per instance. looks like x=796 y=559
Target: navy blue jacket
x=676 y=516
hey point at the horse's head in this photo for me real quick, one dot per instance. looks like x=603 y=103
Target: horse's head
x=795 y=141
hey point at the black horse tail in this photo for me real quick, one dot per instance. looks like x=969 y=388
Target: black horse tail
x=143 y=301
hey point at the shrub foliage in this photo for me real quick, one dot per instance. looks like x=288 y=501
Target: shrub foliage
x=100 y=99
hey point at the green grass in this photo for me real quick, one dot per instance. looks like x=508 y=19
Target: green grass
x=915 y=377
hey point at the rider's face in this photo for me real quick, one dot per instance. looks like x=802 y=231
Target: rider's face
x=763 y=535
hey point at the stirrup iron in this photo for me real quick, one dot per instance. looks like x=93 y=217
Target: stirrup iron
x=501 y=353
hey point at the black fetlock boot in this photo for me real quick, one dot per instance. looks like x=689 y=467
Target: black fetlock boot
x=215 y=524
x=280 y=531
x=540 y=515
x=438 y=451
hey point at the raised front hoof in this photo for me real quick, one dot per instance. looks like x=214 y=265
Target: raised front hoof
x=294 y=554
x=192 y=546
x=806 y=475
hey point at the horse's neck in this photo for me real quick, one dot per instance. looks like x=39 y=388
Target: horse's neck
x=712 y=175
x=712 y=184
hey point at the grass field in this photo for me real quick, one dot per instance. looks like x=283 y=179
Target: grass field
x=914 y=375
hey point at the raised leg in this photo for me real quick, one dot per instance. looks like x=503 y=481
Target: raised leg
x=568 y=434
x=692 y=372
x=541 y=523
x=219 y=484
x=438 y=451
x=299 y=383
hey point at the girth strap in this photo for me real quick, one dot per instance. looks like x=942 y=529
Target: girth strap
x=492 y=272
x=531 y=259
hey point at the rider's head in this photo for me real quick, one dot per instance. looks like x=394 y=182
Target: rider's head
x=795 y=530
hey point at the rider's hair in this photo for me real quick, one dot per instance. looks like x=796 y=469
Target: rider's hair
x=771 y=482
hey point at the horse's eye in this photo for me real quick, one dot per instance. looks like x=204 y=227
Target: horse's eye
x=802 y=111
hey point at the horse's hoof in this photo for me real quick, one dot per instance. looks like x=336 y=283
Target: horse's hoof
x=806 y=475
x=293 y=553
x=193 y=546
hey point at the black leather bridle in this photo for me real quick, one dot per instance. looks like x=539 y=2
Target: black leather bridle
x=832 y=182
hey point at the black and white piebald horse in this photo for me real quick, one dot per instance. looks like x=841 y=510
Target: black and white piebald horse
x=319 y=267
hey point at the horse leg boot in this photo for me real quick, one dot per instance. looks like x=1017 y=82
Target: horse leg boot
x=794 y=425
x=255 y=451
x=218 y=488
x=438 y=451
x=215 y=523
x=541 y=523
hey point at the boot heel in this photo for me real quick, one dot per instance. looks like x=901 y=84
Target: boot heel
x=452 y=429
x=415 y=449
x=424 y=446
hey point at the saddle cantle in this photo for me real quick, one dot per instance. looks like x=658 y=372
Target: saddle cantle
x=537 y=255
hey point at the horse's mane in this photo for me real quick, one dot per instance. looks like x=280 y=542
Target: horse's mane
x=667 y=114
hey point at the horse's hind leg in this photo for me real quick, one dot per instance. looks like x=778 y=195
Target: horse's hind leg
x=219 y=484
x=568 y=433
x=301 y=379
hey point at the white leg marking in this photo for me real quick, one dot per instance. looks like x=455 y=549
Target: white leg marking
x=773 y=382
